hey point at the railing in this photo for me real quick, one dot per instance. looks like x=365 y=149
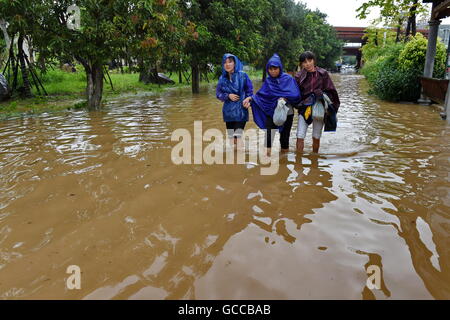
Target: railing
x=434 y=89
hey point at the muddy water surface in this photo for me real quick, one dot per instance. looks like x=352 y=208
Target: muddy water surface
x=99 y=190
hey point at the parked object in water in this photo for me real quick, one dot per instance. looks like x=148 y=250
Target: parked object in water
x=151 y=76
x=163 y=79
x=68 y=67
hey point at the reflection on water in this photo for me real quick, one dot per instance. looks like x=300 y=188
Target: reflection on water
x=98 y=190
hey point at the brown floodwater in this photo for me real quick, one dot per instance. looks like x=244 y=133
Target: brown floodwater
x=99 y=190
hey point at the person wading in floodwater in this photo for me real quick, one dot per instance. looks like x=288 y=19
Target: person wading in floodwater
x=235 y=89
x=313 y=82
x=278 y=85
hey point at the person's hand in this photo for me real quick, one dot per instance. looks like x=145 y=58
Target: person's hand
x=233 y=97
x=246 y=102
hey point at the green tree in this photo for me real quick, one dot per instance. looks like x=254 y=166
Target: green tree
x=223 y=26
x=394 y=13
x=171 y=33
x=282 y=27
x=3 y=53
x=378 y=42
x=161 y=36
x=20 y=18
x=321 y=38
x=107 y=27
x=292 y=28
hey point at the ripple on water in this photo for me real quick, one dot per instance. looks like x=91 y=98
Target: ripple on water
x=100 y=189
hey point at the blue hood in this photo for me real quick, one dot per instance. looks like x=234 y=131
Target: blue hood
x=237 y=63
x=275 y=61
x=266 y=99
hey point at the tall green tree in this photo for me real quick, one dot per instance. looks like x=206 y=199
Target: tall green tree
x=160 y=36
x=3 y=53
x=292 y=28
x=20 y=17
x=106 y=28
x=378 y=41
x=172 y=33
x=395 y=13
x=223 y=26
x=320 y=37
x=282 y=29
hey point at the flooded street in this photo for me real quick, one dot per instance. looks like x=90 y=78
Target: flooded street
x=99 y=190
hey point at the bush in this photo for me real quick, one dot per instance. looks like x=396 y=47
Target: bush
x=387 y=59
x=394 y=84
x=393 y=74
x=413 y=56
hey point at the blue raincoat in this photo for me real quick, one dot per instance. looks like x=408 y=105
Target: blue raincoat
x=265 y=100
x=240 y=85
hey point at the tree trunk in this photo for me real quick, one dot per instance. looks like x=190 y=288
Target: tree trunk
x=142 y=70
x=195 y=78
x=397 y=37
x=411 y=28
x=23 y=68
x=408 y=29
x=180 y=78
x=5 y=33
x=155 y=75
x=413 y=18
x=94 y=89
x=30 y=50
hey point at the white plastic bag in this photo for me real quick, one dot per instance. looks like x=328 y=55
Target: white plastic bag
x=327 y=101
x=280 y=113
x=318 y=110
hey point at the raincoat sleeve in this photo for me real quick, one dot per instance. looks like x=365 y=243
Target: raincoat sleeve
x=222 y=96
x=248 y=87
x=330 y=90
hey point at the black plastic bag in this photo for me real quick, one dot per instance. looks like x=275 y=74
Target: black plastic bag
x=330 y=119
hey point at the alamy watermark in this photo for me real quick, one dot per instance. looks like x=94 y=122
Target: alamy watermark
x=74 y=280
x=250 y=148
x=374 y=279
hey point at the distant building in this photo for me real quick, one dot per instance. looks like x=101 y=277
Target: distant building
x=444 y=33
x=422 y=23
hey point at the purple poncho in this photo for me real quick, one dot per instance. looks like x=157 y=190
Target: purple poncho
x=265 y=100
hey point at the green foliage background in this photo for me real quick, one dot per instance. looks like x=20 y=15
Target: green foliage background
x=393 y=69
x=170 y=35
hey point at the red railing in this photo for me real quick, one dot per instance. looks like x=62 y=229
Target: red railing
x=434 y=89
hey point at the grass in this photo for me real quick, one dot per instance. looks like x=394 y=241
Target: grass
x=67 y=90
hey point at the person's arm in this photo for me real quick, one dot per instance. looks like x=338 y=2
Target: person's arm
x=248 y=87
x=298 y=78
x=330 y=90
x=222 y=96
x=248 y=91
x=294 y=101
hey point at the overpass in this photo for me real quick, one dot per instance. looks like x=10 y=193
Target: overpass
x=354 y=36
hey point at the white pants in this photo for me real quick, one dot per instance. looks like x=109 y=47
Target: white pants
x=302 y=126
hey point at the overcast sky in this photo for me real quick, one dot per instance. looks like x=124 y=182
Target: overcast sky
x=343 y=12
